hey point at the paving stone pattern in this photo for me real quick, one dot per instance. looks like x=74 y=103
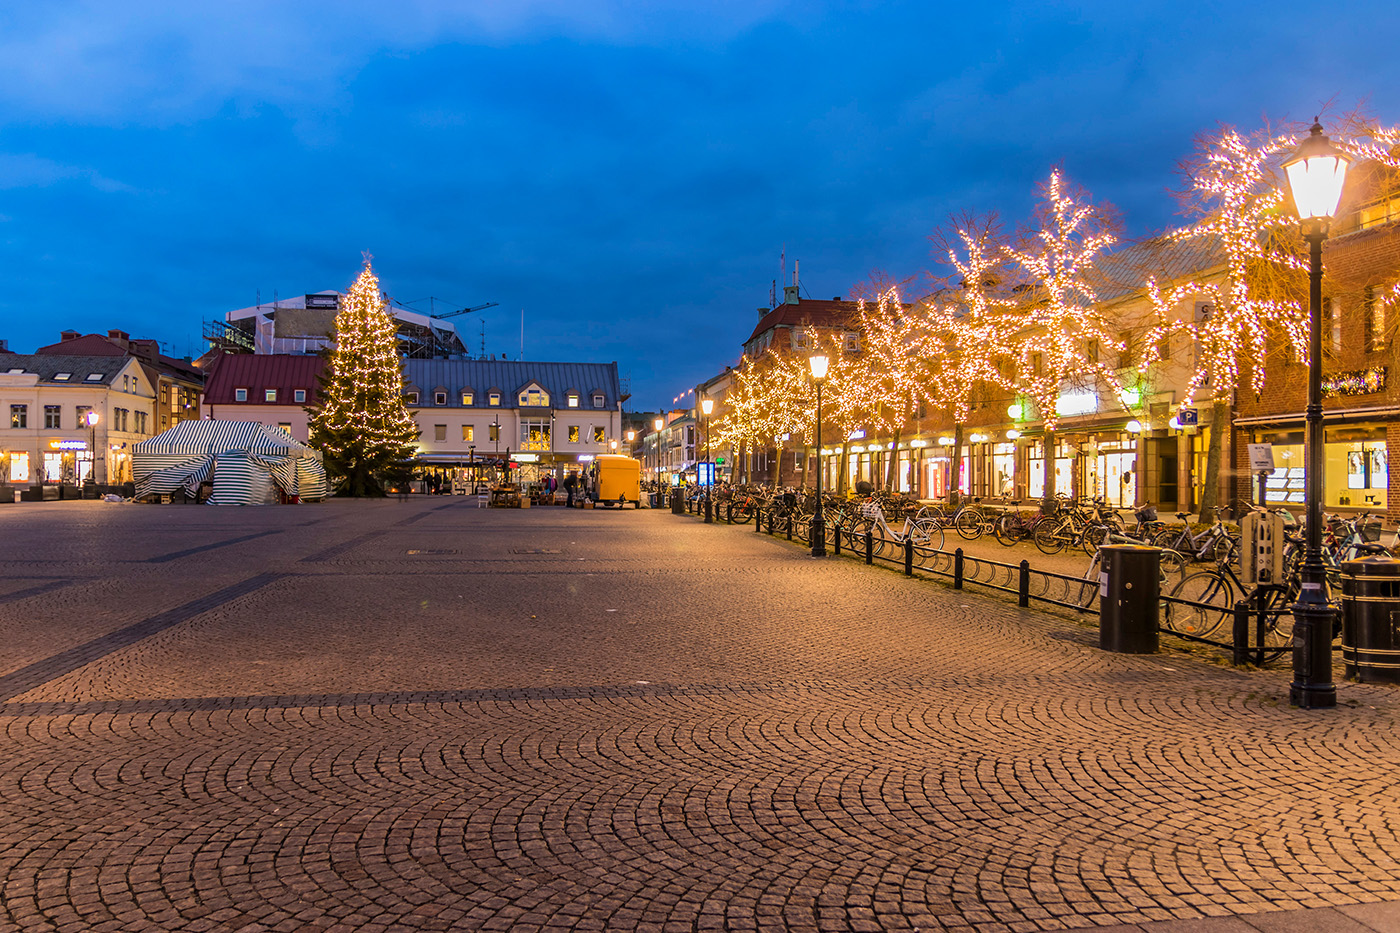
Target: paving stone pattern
x=422 y=715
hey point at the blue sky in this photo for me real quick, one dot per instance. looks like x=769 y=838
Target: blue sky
x=625 y=173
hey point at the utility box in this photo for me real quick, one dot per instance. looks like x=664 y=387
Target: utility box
x=1261 y=548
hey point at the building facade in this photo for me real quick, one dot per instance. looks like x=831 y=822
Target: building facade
x=272 y=389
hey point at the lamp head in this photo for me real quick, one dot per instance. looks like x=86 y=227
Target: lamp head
x=1316 y=171
x=631 y=435
x=92 y=417
x=707 y=405
x=659 y=423
x=819 y=363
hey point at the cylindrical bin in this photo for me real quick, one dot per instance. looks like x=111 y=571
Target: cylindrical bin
x=677 y=502
x=1371 y=619
x=1128 y=594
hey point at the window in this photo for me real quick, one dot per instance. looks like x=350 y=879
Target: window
x=62 y=377
x=799 y=340
x=851 y=343
x=82 y=412
x=285 y=426
x=298 y=395
x=410 y=398
x=534 y=433
x=495 y=432
x=269 y=395
x=468 y=432
x=1375 y=319
x=598 y=400
x=1037 y=364
x=573 y=434
x=440 y=398
x=52 y=415
x=19 y=466
x=1091 y=351
x=468 y=397
x=1380 y=212
x=165 y=395
x=494 y=398
x=126 y=383
x=1164 y=347
x=91 y=377
x=600 y=435
x=140 y=422
x=534 y=397
x=240 y=395
x=19 y=416
x=573 y=399
x=439 y=432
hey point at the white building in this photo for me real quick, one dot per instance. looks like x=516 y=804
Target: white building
x=304 y=324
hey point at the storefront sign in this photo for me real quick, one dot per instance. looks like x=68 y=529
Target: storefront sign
x=1187 y=417
x=1077 y=403
x=527 y=458
x=1358 y=382
x=1261 y=457
x=68 y=445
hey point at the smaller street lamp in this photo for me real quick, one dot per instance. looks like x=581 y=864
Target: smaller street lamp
x=1316 y=172
x=819 y=364
x=659 y=423
x=92 y=417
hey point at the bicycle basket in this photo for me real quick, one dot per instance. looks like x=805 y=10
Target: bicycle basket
x=1371 y=532
x=870 y=509
x=1148 y=513
x=789 y=499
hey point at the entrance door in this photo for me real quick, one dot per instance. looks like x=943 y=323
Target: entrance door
x=1167 y=483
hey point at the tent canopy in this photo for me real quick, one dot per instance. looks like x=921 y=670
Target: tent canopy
x=249 y=462
x=216 y=437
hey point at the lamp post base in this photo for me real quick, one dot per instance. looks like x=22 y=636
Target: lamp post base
x=818 y=538
x=1312 y=686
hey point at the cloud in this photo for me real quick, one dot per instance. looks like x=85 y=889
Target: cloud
x=26 y=170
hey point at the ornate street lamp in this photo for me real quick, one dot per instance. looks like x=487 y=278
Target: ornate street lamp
x=707 y=405
x=818 y=364
x=92 y=418
x=659 y=423
x=1316 y=172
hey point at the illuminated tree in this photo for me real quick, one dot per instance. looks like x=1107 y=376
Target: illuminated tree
x=892 y=369
x=1064 y=336
x=361 y=423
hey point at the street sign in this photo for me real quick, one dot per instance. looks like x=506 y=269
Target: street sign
x=1187 y=417
x=705 y=473
x=1261 y=457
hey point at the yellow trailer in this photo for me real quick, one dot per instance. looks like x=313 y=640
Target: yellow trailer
x=617 y=479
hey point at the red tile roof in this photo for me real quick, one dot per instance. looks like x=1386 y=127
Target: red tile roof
x=259 y=372
x=818 y=312
x=86 y=345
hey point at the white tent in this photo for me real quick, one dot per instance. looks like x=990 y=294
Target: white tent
x=250 y=463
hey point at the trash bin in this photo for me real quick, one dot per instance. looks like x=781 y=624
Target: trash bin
x=1370 y=619
x=677 y=503
x=1128 y=594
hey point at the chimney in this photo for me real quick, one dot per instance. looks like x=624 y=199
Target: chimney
x=790 y=295
x=763 y=312
x=118 y=334
x=69 y=335
x=4 y=346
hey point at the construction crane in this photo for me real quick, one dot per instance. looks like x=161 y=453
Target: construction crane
x=489 y=304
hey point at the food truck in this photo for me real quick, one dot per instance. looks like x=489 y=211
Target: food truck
x=617 y=480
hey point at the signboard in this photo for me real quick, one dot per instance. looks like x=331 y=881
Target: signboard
x=1187 y=417
x=1261 y=457
x=330 y=302
x=68 y=445
x=675 y=479
x=705 y=473
x=527 y=458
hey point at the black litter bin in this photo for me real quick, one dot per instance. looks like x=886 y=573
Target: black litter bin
x=677 y=503
x=1371 y=619
x=1128 y=594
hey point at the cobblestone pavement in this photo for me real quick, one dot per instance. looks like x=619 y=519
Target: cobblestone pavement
x=425 y=716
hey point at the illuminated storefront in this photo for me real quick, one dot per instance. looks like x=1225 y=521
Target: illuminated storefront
x=1356 y=465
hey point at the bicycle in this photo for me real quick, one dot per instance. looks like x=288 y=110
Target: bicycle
x=925 y=534
x=1212 y=595
x=1214 y=543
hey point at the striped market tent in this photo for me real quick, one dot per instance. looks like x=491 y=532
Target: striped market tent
x=250 y=463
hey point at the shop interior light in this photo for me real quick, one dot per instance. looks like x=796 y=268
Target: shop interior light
x=1133 y=427
x=978 y=438
x=1012 y=434
x=1013 y=411
x=1174 y=424
x=857 y=449
x=946 y=441
x=918 y=443
x=1130 y=395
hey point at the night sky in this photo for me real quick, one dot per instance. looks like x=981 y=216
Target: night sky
x=625 y=173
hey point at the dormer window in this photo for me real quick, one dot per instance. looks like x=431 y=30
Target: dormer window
x=799 y=340
x=240 y=395
x=468 y=398
x=410 y=398
x=494 y=399
x=269 y=395
x=598 y=400
x=851 y=343
x=573 y=399
x=440 y=398
x=62 y=377
x=298 y=395
x=534 y=397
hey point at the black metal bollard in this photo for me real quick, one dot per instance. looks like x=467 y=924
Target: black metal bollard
x=908 y=557
x=789 y=526
x=709 y=511
x=729 y=512
x=958 y=569
x=1023 y=589
x=836 y=540
x=869 y=547
x=1241 y=633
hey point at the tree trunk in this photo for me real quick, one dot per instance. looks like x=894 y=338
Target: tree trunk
x=841 y=468
x=1210 y=493
x=955 y=469
x=894 y=459
x=1047 y=504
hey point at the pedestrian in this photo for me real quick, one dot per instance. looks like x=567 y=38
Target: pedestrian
x=570 y=483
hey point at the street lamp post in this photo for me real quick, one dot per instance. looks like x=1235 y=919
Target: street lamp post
x=818 y=364
x=659 y=423
x=92 y=418
x=1316 y=172
x=471 y=464
x=707 y=405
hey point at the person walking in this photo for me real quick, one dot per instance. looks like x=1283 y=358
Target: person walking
x=570 y=484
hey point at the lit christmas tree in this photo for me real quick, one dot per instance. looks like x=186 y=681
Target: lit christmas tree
x=361 y=424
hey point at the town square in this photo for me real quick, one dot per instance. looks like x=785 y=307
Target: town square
x=698 y=466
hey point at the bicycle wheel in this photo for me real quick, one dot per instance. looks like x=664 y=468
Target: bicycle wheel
x=859 y=530
x=1214 y=596
x=927 y=534
x=1048 y=538
x=1008 y=529
x=969 y=524
x=1172 y=562
x=1093 y=539
x=1278 y=627
x=1168 y=538
x=743 y=514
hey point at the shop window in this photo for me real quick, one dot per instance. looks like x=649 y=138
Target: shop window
x=269 y=395
x=468 y=432
x=19 y=416
x=573 y=434
x=19 y=467
x=439 y=432
x=53 y=416
x=439 y=398
x=298 y=395
x=599 y=435
x=240 y=395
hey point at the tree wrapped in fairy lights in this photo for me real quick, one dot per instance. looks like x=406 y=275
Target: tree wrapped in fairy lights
x=893 y=369
x=361 y=424
x=1064 y=340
